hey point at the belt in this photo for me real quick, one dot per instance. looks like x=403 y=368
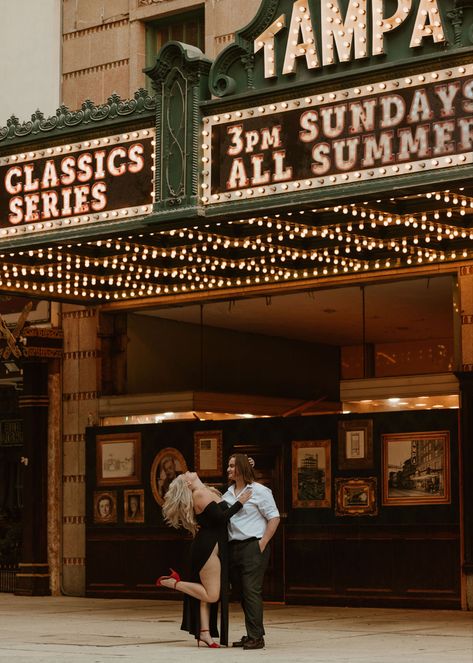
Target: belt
x=252 y=538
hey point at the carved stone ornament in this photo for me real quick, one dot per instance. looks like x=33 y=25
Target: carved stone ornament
x=89 y=113
x=180 y=78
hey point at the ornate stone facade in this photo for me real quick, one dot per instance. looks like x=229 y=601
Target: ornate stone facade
x=104 y=48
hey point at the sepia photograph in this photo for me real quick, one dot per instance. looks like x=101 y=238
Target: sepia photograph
x=355 y=444
x=134 y=506
x=356 y=496
x=118 y=459
x=311 y=474
x=416 y=468
x=105 y=507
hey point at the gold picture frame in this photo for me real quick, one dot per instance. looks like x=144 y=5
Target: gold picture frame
x=105 y=507
x=356 y=496
x=118 y=459
x=311 y=474
x=208 y=458
x=134 y=506
x=355 y=444
x=416 y=468
x=167 y=465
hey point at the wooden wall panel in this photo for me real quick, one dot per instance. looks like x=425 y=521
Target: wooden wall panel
x=404 y=556
x=125 y=566
x=412 y=566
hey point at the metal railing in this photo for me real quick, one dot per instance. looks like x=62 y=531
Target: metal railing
x=7 y=578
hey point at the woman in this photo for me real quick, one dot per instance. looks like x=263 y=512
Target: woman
x=191 y=504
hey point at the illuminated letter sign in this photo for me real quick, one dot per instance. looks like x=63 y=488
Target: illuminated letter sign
x=79 y=183
x=363 y=133
x=356 y=33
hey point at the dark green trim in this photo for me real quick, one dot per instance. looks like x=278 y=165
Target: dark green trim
x=180 y=80
x=318 y=197
x=88 y=118
x=408 y=67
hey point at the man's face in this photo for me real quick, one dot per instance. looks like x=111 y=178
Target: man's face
x=105 y=508
x=169 y=469
x=232 y=470
x=133 y=504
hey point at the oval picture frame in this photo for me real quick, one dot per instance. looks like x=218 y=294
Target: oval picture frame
x=158 y=479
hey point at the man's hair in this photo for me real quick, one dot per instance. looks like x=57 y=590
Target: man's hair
x=244 y=468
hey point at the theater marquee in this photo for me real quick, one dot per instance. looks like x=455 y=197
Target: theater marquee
x=91 y=181
x=406 y=125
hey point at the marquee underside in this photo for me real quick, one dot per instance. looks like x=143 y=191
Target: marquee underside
x=307 y=244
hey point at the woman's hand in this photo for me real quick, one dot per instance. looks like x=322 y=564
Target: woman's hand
x=245 y=495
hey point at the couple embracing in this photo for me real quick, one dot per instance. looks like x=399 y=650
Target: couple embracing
x=231 y=535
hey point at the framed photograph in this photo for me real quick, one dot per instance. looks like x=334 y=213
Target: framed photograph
x=105 y=506
x=311 y=474
x=167 y=465
x=416 y=468
x=208 y=453
x=118 y=459
x=356 y=497
x=355 y=444
x=134 y=506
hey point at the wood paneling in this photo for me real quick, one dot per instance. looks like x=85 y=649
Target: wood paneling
x=399 y=565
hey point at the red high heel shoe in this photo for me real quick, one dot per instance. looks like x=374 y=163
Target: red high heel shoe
x=174 y=576
x=212 y=645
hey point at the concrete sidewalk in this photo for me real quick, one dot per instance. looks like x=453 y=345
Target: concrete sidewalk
x=76 y=630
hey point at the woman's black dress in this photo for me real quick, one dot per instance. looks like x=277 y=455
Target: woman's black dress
x=212 y=529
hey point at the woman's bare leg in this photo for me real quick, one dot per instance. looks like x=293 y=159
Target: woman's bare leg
x=209 y=590
x=205 y=622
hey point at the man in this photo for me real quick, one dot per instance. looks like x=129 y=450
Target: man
x=134 y=507
x=167 y=473
x=250 y=531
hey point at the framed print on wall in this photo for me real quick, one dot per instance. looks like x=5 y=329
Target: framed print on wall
x=208 y=453
x=134 y=506
x=311 y=474
x=168 y=464
x=416 y=468
x=355 y=444
x=105 y=506
x=118 y=459
x=356 y=497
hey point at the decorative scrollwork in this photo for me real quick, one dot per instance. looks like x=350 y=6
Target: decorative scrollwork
x=263 y=19
x=176 y=130
x=456 y=19
x=65 y=119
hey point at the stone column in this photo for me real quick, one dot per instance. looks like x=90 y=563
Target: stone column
x=81 y=371
x=54 y=476
x=137 y=50
x=32 y=578
x=465 y=377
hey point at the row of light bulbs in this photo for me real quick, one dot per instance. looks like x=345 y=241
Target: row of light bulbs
x=131 y=273
x=281 y=231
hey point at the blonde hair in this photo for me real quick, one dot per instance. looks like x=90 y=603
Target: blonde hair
x=178 y=507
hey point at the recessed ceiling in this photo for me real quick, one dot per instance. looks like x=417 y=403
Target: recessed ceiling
x=418 y=309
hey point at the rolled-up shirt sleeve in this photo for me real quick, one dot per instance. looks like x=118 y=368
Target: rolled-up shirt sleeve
x=267 y=505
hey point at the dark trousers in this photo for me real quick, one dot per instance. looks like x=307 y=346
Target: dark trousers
x=247 y=568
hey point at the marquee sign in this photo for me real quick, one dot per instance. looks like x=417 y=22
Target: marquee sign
x=405 y=125
x=344 y=35
x=86 y=182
